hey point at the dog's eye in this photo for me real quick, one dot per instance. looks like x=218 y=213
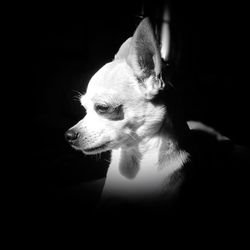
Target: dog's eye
x=103 y=108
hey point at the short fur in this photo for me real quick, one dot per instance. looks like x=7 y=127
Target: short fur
x=131 y=111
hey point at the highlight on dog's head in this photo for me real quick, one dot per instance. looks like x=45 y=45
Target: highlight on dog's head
x=118 y=100
x=142 y=54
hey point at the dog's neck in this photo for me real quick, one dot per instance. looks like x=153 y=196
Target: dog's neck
x=148 y=169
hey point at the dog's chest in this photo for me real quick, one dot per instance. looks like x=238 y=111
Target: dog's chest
x=134 y=167
x=134 y=175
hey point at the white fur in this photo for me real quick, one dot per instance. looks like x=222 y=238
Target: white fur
x=151 y=180
x=145 y=147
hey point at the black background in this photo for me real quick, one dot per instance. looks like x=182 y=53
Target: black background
x=67 y=43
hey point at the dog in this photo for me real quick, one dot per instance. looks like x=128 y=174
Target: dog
x=133 y=111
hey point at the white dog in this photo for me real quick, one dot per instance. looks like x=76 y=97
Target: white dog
x=132 y=111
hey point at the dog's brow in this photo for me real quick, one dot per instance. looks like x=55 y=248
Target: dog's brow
x=107 y=98
x=97 y=99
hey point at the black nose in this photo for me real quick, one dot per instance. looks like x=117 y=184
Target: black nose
x=71 y=135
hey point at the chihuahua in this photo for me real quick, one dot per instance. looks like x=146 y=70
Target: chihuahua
x=132 y=111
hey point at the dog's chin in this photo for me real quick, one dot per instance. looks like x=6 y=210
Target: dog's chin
x=96 y=149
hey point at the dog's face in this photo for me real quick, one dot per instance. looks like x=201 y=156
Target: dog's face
x=118 y=100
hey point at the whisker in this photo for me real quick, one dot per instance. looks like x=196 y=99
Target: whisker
x=107 y=160
x=97 y=157
x=77 y=96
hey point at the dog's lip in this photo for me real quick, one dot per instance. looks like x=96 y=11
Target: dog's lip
x=100 y=147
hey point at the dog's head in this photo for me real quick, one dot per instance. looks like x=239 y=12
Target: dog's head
x=119 y=97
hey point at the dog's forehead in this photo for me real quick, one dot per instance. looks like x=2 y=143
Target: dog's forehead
x=114 y=76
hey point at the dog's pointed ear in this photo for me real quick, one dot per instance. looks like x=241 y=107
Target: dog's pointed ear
x=144 y=58
x=124 y=49
x=144 y=55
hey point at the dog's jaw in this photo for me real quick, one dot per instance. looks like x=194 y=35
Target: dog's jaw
x=96 y=149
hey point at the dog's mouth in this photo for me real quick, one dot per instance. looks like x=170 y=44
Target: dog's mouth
x=98 y=149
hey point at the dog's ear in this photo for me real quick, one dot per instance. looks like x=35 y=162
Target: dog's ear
x=144 y=58
x=124 y=49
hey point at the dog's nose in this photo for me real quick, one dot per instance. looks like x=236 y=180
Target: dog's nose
x=71 y=135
